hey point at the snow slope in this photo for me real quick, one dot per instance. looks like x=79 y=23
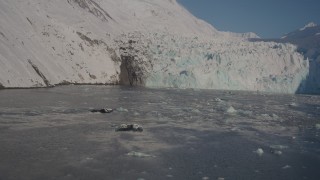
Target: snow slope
x=154 y=43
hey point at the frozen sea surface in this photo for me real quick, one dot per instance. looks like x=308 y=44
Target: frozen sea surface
x=188 y=134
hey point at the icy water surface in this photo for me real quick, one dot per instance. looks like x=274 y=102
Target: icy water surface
x=188 y=134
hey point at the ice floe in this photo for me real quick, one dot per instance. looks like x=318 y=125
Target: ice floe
x=217 y=100
x=293 y=104
x=121 y=109
x=231 y=110
x=259 y=151
x=139 y=154
x=286 y=167
x=244 y=112
x=279 y=147
x=278 y=152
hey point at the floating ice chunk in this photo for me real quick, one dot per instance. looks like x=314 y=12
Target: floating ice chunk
x=293 y=104
x=286 y=167
x=246 y=113
x=139 y=154
x=275 y=117
x=235 y=129
x=87 y=159
x=220 y=178
x=196 y=111
x=217 y=100
x=279 y=147
x=270 y=117
x=205 y=178
x=259 y=151
x=231 y=110
x=169 y=176
x=136 y=114
x=121 y=109
x=318 y=126
x=278 y=152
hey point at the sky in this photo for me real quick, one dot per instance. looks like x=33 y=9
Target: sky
x=266 y=18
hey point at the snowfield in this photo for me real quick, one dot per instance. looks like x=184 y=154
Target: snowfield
x=153 y=43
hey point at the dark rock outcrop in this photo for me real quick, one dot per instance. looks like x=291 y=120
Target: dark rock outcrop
x=37 y=70
x=130 y=127
x=135 y=60
x=93 y=8
x=104 y=110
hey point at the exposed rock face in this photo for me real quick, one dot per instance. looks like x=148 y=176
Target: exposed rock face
x=45 y=80
x=92 y=7
x=136 y=60
x=152 y=43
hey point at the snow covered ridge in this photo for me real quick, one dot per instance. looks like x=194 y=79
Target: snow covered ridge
x=311 y=24
x=153 y=43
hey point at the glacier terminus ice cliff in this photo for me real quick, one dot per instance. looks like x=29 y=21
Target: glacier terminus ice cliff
x=152 y=43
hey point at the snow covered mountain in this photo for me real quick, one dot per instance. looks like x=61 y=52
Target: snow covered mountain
x=153 y=43
x=309 y=25
x=307 y=39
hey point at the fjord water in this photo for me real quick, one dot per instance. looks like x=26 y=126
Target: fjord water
x=188 y=134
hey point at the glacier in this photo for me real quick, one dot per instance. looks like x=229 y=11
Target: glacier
x=152 y=43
